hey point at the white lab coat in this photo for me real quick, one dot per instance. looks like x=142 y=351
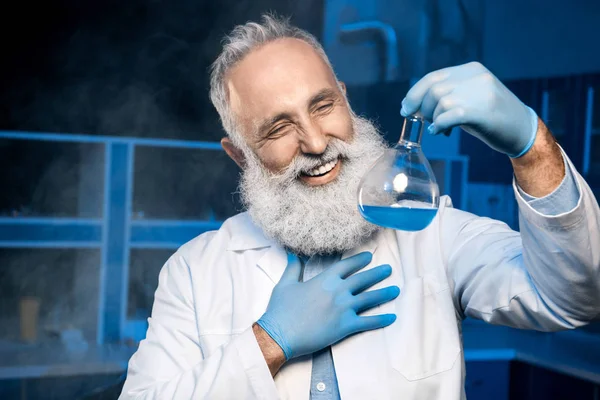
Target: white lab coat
x=200 y=343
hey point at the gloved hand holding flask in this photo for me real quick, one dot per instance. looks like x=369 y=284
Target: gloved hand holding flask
x=471 y=97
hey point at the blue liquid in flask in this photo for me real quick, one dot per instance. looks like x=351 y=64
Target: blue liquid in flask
x=400 y=190
x=401 y=218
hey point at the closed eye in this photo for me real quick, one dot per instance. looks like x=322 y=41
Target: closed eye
x=278 y=129
x=324 y=107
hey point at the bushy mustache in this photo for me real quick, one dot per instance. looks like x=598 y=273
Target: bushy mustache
x=302 y=163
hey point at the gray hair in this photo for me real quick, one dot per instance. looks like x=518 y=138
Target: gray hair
x=239 y=43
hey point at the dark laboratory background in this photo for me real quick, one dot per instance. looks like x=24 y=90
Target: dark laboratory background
x=110 y=160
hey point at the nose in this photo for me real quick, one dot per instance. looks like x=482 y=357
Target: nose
x=313 y=140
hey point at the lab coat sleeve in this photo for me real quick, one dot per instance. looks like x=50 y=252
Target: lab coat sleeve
x=547 y=277
x=170 y=364
x=563 y=199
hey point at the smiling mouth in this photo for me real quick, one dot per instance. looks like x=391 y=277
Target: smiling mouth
x=321 y=170
x=323 y=174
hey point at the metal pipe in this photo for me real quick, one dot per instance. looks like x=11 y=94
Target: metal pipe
x=388 y=35
x=67 y=137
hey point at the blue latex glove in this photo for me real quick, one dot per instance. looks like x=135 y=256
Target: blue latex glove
x=305 y=317
x=471 y=97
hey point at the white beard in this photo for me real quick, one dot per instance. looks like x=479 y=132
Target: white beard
x=314 y=220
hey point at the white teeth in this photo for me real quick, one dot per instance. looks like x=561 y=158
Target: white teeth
x=322 y=169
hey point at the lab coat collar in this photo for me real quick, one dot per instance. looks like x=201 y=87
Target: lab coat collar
x=274 y=261
x=248 y=236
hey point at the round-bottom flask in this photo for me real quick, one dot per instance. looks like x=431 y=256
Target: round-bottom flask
x=400 y=190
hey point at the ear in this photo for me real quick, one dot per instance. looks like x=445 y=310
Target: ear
x=343 y=86
x=233 y=152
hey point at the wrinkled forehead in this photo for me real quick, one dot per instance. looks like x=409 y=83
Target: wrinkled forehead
x=280 y=76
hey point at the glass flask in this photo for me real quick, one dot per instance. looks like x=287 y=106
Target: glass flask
x=400 y=190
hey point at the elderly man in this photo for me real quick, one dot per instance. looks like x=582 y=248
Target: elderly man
x=301 y=298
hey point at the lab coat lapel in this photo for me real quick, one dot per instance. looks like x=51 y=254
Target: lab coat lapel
x=273 y=262
x=359 y=359
x=293 y=379
x=248 y=236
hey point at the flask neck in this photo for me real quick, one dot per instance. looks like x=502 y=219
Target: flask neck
x=412 y=130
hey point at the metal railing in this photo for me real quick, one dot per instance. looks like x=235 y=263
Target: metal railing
x=115 y=233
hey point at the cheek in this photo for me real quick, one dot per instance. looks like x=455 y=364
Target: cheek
x=338 y=124
x=277 y=154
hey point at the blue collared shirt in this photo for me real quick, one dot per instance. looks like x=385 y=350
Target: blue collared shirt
x=323 y=383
